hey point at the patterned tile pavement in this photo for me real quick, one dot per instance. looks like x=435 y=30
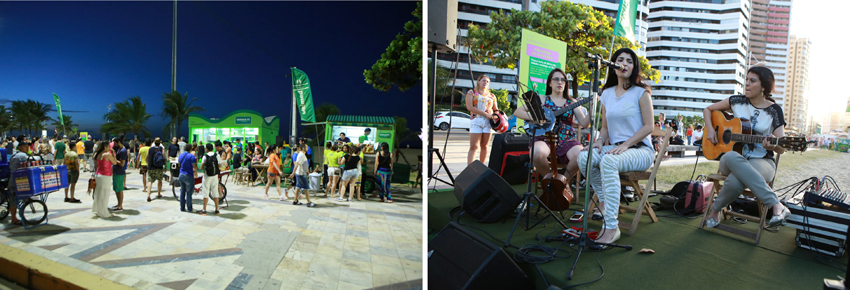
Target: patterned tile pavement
x=254 y=244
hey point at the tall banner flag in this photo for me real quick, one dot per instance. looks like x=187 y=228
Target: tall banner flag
x=58 y=108
x=625 y=22
x=301 y=89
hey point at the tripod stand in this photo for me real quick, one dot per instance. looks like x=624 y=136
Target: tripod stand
x=525 y=208
x=594 y=62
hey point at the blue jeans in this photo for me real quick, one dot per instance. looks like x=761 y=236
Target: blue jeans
x=187 y=186
x=689 y=140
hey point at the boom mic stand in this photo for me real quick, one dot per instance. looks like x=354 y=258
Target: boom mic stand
x=594 y=62
x=535 y=124
x=431 y=112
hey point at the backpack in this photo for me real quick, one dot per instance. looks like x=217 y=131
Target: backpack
x=211 y=166
x=158 y=160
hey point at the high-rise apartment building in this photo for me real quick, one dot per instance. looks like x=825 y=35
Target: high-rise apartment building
x=797 y=87
x=700 y=47
x=769 y=41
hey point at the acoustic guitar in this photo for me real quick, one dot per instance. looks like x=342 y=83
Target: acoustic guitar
x=733 y=133
x=556 y=192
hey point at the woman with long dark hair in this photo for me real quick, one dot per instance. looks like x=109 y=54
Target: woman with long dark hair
x=274 y=172
x=627 y=121
x=567 y=146
x=384 y=172
x=104 y=160
x=755 y=167
x=482 y=104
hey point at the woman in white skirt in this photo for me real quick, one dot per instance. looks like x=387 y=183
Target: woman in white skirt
x=104 y=159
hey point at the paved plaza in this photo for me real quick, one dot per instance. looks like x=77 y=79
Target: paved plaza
x=254 y=244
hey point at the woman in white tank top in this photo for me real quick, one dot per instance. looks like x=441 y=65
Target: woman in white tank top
x=482 y=104
x=627 y=121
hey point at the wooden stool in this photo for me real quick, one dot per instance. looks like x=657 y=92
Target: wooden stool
x=633 y=178
x=761 y=219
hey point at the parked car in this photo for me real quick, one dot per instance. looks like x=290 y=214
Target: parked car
x=459 y=120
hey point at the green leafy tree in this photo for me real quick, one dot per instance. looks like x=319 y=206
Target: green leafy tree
x=401 y=65
x=176 y=109
x=40 y=114
x=503 y=100
x=68 y=125
x=5 y=119
x=583 y=28
x=322 y=112
x=128 y=116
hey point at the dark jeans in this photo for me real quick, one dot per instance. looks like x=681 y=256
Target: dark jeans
x=325 y=178
x=187 y=186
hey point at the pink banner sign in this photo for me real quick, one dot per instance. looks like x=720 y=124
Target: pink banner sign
x=541 y=53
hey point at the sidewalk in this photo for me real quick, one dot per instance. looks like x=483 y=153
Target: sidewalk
x=254 y=243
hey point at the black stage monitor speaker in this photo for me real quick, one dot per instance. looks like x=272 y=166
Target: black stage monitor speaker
x=460 y=259
x=483 y=194
x=442 y=25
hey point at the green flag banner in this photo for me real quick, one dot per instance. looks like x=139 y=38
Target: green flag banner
x=58 y=108
x=625 y=25
x=304 y=98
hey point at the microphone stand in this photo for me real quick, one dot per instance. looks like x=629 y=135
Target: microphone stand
x=594 y=62
x=535 y=124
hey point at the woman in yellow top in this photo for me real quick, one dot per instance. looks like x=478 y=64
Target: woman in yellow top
x=326 y=178
x=143 y=159
x=332 y=158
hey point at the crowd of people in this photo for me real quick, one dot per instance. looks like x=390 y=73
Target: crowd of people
x=109 y=161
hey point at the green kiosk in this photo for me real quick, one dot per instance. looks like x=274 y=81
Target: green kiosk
x=382 y=130
x=245 y=125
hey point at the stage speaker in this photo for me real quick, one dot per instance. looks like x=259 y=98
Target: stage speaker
x=279 y=141
x=483 y=194
x=442 y=25
x=460 y=259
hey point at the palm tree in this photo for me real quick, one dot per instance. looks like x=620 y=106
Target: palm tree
x=68 y=125
x=322 y=112
x=444 y=78
x=39 y=112
x=21 y=115
x=177 y=107
x=128 y=116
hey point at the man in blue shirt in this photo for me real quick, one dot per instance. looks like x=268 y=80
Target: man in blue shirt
x=188 y=172
x=119 y=173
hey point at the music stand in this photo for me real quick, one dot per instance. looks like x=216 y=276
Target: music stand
x=532 y=100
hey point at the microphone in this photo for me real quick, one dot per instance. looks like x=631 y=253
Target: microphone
x=615 y=66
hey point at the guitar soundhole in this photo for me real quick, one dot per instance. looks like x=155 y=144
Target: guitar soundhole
x=727 y=136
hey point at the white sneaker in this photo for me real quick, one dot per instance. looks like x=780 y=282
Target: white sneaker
x=339 y=199
x=283 y=198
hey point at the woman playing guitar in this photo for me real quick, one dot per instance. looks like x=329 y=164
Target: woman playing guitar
x=567 y=146
x=626 y=123
x=756 y=166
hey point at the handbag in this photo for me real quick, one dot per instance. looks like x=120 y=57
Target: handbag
x=92 y=180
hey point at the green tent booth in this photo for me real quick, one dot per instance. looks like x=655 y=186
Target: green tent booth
x=245 y=125
x=382 y=130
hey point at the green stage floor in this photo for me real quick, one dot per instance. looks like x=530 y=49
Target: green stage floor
x=685 y=257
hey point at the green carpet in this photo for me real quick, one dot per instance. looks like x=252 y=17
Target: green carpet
x=685 y=257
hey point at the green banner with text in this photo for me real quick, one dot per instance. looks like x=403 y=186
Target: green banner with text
x=303 y=96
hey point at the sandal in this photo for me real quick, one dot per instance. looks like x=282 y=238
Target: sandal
x=217 y=213
x=159 y=196
x=149 y=199
x=389 y=201
x=203 y=212
x=17 y=223
x=596 y=215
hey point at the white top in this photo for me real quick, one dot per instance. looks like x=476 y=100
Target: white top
x=697 y=134
x=762 y=120
x=301 y=160
x=623 y=114
x=204 y=161
x=180 y=149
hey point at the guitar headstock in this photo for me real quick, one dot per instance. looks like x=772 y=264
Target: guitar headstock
x=551 y=136
x=798 y=144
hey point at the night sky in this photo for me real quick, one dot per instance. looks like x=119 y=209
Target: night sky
x=93 y=54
